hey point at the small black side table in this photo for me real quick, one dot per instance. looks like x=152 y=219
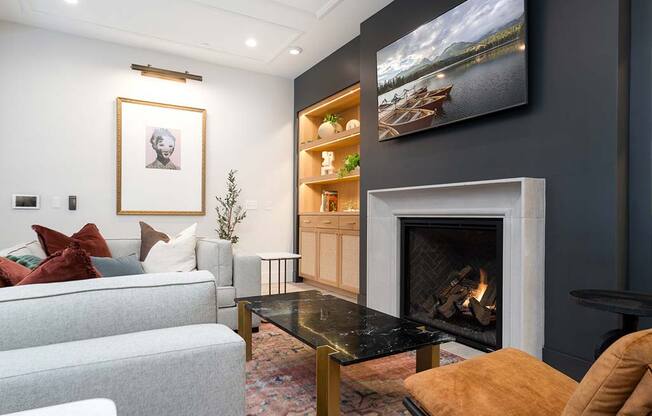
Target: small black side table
x=630 y=305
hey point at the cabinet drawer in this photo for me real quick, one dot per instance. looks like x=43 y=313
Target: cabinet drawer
x=319 y=221
x=349 y=222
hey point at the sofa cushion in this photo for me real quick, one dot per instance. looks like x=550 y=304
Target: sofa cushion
x=72 y=263
x=640 y=402
x=217 y=257
x=613 y=377
x=148 y=237
x=33 y=247
x=176 y=255
x=88 y=238
x=11 y=272
x=505 y=382
x=121 y=266
x=70 y=311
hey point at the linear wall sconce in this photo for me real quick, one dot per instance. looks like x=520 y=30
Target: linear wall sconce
x=150 y=71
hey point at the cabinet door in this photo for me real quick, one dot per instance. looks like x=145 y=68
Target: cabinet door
x=350 y=272
x=328 y=262
x=308 y=251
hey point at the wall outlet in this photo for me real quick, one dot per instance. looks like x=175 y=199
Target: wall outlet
x=251 y=205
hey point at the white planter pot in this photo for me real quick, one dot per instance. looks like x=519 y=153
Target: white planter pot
x=328 y=129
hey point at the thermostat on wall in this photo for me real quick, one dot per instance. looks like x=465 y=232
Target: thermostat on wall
x=19 y=201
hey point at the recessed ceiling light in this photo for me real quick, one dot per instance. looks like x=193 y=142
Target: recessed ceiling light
x=251 y=42
x=71 y=1
x=295 y=50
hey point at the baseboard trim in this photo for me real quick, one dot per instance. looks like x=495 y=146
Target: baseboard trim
x=570 y=365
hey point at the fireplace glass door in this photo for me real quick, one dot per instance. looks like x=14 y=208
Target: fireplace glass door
x=451 y=276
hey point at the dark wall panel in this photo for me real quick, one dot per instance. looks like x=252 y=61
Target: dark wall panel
x=339 y=70
x=570 y=134
x=640 y=151
x=573 y=133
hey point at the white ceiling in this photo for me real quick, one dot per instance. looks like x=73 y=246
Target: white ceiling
x=209 y=30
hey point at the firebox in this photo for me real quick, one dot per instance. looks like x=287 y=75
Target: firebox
x=451 y=276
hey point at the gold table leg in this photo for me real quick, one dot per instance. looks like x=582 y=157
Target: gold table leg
x=427 y=357
x=244 y=326
x=328 y=382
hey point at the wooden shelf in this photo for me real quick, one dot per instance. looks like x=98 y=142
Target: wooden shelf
x=325 y=179
x=342 y=139
x=338 y=213
x=336 y=103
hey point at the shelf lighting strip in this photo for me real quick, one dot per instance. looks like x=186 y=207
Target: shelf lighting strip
x=327 y=103
x=333 y=142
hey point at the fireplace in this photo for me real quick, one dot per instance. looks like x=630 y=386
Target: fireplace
x=451 y=276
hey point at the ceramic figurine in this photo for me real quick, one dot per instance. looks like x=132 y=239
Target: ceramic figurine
x=327 y=164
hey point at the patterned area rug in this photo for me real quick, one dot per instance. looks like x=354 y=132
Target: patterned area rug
x=281 y=379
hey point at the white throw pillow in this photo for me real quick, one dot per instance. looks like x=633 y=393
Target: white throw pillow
x=177 y=255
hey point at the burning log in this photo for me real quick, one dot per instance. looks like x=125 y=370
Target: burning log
x=452 y=282
x=481 y=313
x=453 y=302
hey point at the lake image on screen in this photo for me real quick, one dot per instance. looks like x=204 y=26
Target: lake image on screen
x=467 y=62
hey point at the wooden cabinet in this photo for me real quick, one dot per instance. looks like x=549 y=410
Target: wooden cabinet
x=329 y=241
x=330 y=250
x=350 y=261
x=308 y=250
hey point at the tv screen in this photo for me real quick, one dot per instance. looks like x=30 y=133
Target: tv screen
x=470 y=61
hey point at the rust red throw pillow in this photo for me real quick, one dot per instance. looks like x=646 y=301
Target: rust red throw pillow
x=88 y=238
x=72 y=263
x=11 y=272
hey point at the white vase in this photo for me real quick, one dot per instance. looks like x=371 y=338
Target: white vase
x=328 y=129
x=353 y=123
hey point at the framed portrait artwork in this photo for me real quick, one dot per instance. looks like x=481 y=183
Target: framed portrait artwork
x=161 y=159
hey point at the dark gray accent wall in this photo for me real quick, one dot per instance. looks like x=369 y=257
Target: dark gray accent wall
x=573 y=133
x=640 y=151
x=339 y=70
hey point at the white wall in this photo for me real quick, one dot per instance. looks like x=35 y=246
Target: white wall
x=58 y=135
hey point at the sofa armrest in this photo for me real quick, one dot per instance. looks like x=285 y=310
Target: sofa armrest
x=246 y=275
x=216 y=256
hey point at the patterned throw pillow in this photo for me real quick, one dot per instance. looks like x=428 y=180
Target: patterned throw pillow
x=27 y=260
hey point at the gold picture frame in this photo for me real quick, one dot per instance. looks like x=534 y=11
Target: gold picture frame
x=120 y=198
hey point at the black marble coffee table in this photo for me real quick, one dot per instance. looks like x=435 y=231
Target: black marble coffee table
x=342 y=332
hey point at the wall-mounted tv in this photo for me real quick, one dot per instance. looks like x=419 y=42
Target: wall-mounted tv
x=469 y=61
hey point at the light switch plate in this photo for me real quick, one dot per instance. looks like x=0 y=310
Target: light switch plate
x=251 y=204
x=269 y=205
x=56 y=202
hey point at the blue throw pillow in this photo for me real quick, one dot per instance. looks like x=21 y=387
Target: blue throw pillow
x=121 y=266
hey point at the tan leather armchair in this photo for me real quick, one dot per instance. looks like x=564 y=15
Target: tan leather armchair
x=510 y=382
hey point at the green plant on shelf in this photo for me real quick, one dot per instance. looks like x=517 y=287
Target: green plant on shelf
x=351 y=162
x=332 y=118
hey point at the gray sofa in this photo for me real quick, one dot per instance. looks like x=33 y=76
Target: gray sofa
x=151 y=343
x=236 y=275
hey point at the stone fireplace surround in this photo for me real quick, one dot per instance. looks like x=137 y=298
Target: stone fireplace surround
x=520 y=202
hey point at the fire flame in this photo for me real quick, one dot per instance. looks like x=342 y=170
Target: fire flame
x=478 y=292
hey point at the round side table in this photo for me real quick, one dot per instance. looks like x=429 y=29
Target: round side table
x=630 y=305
